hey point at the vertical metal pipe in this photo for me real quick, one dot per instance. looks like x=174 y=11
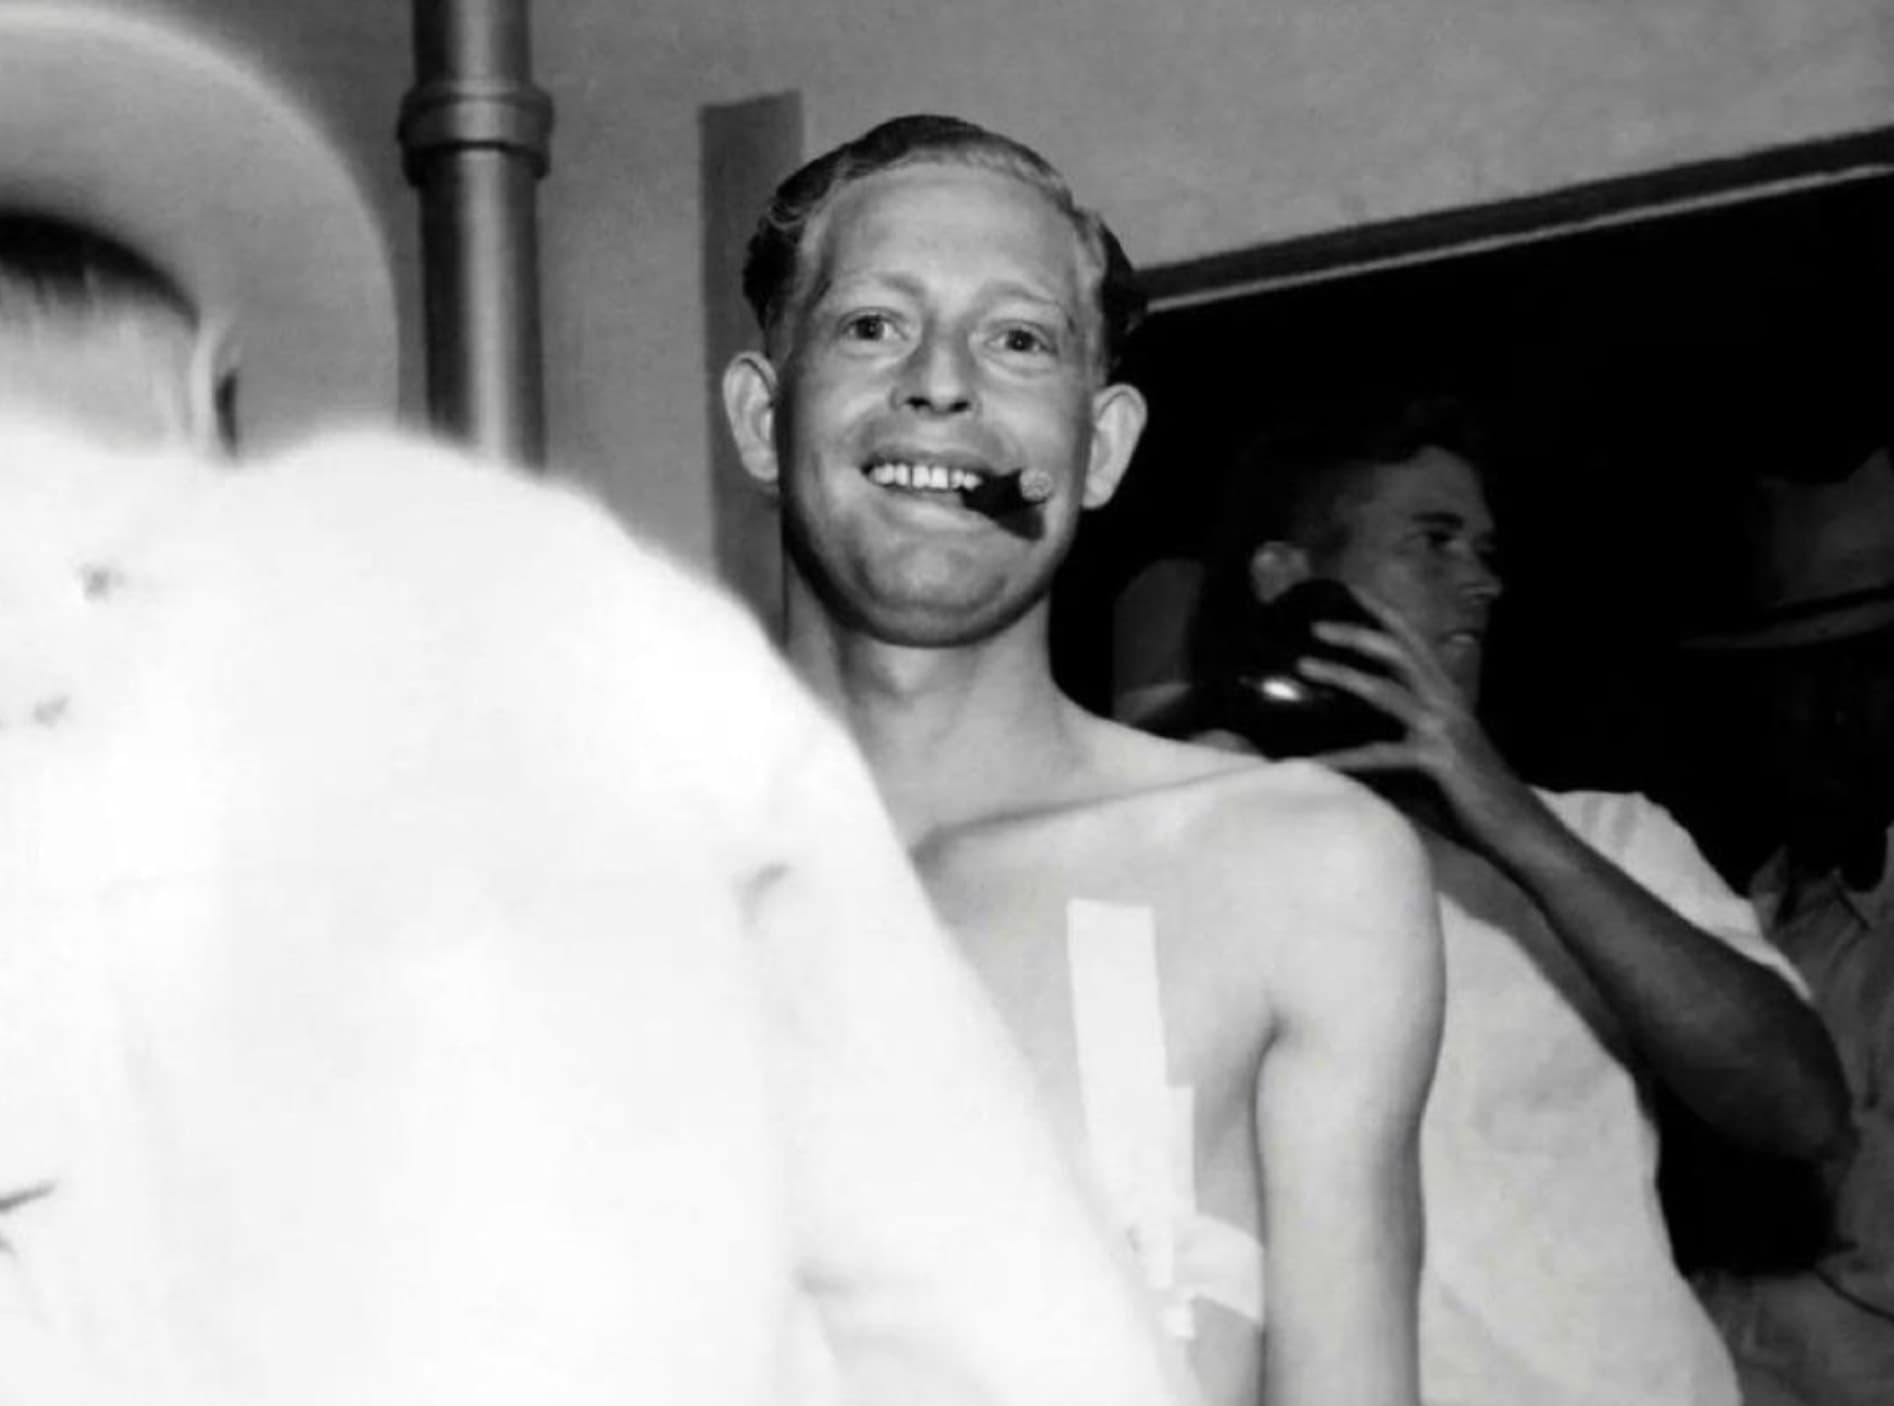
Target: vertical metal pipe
x=475 y=134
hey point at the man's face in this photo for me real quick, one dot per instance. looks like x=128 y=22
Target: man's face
x=1419 y=537
x=1816 y=729
x=947 y=336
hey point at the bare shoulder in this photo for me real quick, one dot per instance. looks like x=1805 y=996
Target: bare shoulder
x=1329 y=822
x=1354 y=955
x=1232 y=800
x=1303 y=871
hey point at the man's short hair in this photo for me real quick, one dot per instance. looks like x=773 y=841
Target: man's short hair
x=56 y=269
x=1297 y=485
x=773 y=272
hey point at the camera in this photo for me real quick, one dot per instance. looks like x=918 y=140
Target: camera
x=1279 y=710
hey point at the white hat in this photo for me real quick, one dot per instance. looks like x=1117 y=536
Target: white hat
x=1819 y=559
x=196 y=158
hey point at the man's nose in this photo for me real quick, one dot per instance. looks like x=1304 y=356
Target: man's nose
x=1478 y=576
x=938 y=377
x=1481 y=580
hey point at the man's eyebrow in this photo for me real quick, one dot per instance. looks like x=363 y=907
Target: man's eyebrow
x=1448 y=519
x=846 y=283
x=1031 y=292
x=870 y=278
x=913 y=286
x=1059 y=307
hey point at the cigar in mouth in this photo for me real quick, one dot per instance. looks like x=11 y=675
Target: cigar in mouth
x=1009 y=492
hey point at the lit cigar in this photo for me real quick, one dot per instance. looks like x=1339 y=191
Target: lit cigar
x=1009 y=493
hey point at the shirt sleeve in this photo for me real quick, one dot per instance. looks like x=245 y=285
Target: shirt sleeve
x=1642 y=838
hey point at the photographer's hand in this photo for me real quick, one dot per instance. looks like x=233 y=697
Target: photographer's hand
x=1724 y=1034
x=1443 y=739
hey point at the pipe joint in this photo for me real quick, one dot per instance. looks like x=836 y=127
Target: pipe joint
x=458 y=114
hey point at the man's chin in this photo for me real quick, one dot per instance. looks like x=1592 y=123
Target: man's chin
x=912 y=617
x=1463 y=661
x=934 y=625
x=910 y=604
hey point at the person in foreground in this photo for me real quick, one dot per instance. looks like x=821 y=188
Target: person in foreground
x=1224 y=975
x=445 y=958
x=1592 y=953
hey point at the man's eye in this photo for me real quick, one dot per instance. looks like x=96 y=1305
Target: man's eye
x=867 y=327
x=1026 y=340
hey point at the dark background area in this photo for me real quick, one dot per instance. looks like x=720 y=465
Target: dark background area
x=1629 y=379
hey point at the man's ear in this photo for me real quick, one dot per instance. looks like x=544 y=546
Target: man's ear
x=749 y=404
x=1275 y=567
x=1118 y=414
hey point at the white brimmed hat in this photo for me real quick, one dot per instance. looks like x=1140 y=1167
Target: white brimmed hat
x=1820 y=562
x=192 y=155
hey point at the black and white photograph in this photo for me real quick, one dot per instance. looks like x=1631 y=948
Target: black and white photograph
x=787 y=703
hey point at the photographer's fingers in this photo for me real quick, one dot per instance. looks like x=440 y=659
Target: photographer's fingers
x=1392 y=696
x=1372 y=756
x=1397 y=645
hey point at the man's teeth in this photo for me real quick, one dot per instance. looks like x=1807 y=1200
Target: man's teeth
x=938 y=478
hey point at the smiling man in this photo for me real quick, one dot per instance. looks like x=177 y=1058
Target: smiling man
x=1593 y=955
x=1224 y=974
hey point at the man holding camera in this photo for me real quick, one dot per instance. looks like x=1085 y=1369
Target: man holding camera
x=1592 y=953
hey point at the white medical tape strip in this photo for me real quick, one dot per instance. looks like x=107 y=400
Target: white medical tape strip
x=1119 y=1027
x=1142 y=1130
x=1181 y=1117
x=1223 y=1264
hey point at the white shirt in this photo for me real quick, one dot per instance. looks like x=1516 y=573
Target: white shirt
x=1549 y=1277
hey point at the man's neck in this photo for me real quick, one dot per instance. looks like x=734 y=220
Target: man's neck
x=953 y=735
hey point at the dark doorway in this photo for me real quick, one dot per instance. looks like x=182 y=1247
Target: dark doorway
x=1629 y=377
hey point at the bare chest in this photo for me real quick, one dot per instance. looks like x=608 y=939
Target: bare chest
x=1110 y=960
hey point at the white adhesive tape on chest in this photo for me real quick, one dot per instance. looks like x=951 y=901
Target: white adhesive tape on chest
x=1140 y=1127
x=1130 y=1108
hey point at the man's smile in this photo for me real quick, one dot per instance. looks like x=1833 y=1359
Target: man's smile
x=924 y=476
x=962 y=480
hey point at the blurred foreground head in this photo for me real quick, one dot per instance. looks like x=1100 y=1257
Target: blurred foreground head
x=444 y=958
x=185 y=255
